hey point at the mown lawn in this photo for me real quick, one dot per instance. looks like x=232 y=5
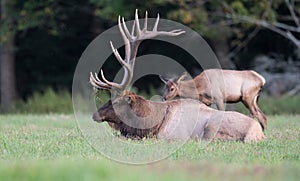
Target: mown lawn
x=50 y=147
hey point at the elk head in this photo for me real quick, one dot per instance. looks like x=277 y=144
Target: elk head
x=122 y=102
x=122 y=105
x=172 y=86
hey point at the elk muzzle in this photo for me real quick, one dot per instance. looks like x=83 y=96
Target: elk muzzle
x=96 y=117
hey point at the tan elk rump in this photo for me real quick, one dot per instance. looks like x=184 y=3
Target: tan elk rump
x=177 y=119
x=219 y=86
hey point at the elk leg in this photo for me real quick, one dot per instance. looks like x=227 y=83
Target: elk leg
x=261 y=116
x=250 y=103
x=247 y=101
x=220 y=104
x=209 y=131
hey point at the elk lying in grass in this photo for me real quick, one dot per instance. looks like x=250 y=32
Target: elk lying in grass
x=176 y=119
x=219 y=86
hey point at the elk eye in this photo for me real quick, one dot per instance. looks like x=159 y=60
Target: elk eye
x=172 y=89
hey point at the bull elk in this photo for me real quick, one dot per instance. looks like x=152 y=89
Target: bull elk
x=134 y=116
x=176 y=119
x=219 y=86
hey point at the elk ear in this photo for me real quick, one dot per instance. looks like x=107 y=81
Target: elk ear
x=182 y=77
x=129 y=99
x=164 y=79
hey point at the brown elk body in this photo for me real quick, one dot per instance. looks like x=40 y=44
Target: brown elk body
x=219 y=86
x=176 y=119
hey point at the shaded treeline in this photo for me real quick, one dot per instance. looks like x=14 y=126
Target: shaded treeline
x=49 y=36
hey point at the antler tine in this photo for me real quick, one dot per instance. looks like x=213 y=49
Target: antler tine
x=144 y=34
x=127 y=67
x=98 y=83
x=126 y=41
x=118 y=56
x=97 y=78
x=132 y=29
x=145 y=22
x=138 y=30
x=156 y=23
x=125 y=28
x=112 y=84
x=167 y=33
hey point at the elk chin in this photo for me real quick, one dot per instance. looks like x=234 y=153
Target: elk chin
x=169 y=98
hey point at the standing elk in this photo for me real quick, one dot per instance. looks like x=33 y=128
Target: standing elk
x=134 y=116
x=219 y=86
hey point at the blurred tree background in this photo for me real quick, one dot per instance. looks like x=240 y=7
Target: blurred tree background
x=42 y=40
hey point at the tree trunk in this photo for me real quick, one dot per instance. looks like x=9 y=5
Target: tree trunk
x=7 y=64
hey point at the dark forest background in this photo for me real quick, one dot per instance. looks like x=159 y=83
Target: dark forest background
x=41 y=41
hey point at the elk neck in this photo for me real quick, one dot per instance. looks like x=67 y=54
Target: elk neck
x=147 y=118
x=188 y=89
x=150 y=110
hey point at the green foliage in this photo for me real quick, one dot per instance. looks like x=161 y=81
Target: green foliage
x=196 y=18
x=239 y=8
x=51 y=147
x=24 y=15
x=275 y=105
x=112 y=9
x=47 y=54
x=47 y=101
x=101 y=97
x=281 y=105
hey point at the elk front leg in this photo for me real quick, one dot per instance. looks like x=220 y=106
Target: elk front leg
x=220 y=104
x=249 y=103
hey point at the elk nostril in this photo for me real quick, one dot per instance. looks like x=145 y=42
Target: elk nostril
x=96 y=117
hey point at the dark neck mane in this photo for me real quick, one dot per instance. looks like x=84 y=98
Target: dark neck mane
x=148 y=111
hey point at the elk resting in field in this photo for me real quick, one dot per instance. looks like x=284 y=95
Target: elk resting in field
x=177 y=119
x=219 y=86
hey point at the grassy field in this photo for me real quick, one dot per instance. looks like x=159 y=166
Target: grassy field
x=50 y=147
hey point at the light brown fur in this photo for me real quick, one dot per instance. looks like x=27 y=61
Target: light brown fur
x=176 y=119
x=219 y=86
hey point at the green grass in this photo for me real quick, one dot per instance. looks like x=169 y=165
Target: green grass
x=273 y=105
x=50 y=147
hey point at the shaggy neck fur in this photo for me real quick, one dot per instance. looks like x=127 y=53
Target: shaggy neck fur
x=149 y=114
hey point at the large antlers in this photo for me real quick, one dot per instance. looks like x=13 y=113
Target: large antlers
x=132 y=41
